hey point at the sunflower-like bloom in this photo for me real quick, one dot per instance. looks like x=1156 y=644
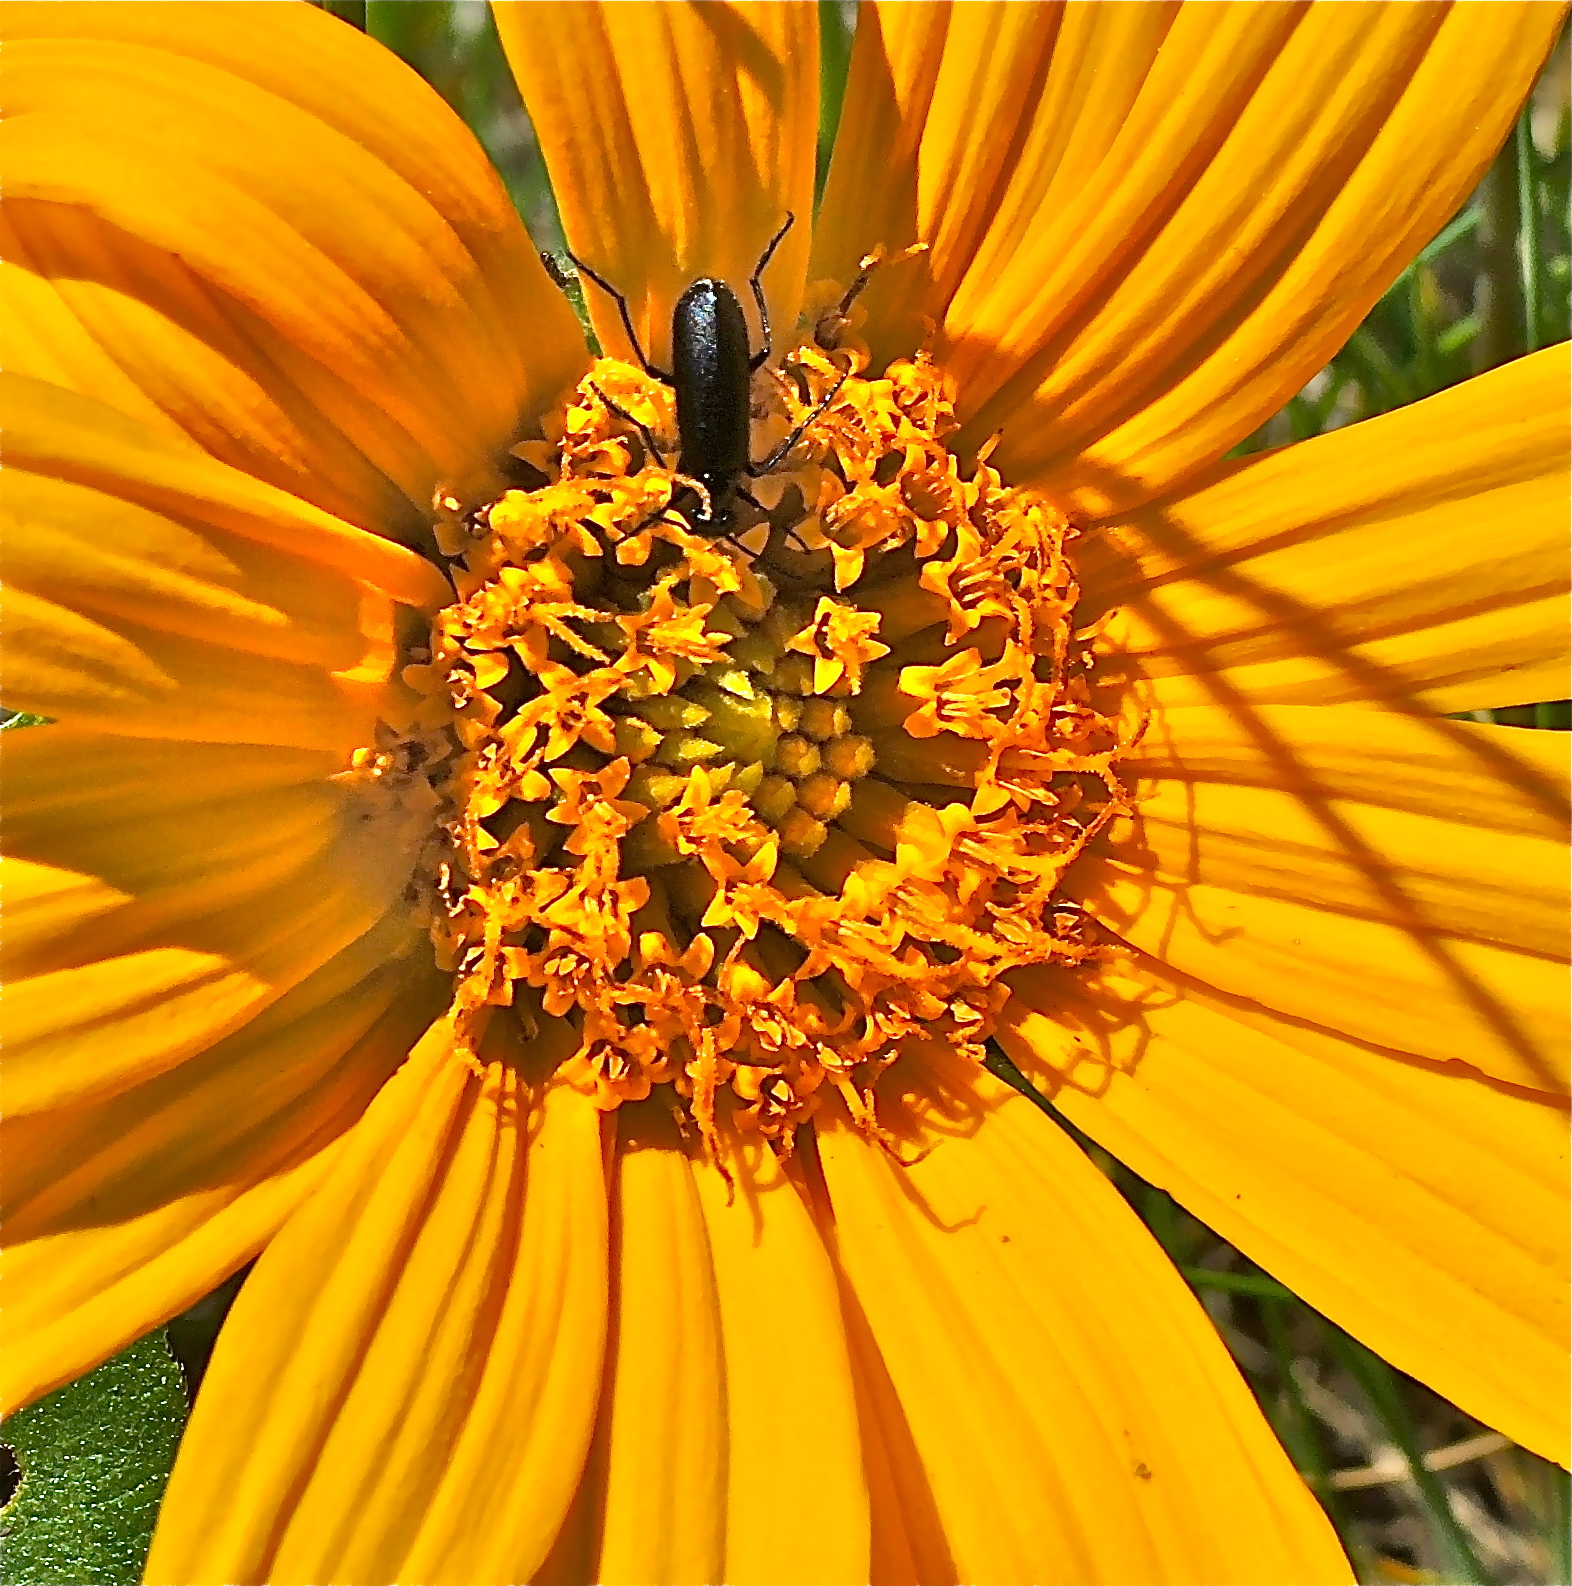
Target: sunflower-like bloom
x=571 y=950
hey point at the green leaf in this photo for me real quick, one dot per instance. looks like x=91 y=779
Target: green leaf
x=95 y=1457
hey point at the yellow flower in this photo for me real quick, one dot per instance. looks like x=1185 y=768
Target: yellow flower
x=562 y=947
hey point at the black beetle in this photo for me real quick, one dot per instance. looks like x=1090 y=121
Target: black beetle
x=712 y=375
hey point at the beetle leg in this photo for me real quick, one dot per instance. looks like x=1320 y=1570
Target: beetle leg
x=651 y=444
x=779 y=532
x=755 y=470
x=627 y=318
x=843 y=308
x=761 y=356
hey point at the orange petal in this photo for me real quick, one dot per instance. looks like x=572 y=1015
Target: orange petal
x=1076 y=1414
x=1418 y=558
x=159 y=904
x=1145 y=300
x=124 y=1212
x=885 y=143
x=1422 y=1210
x=261 y=231
x=122 y=677
x=1417 y=902
x=678 y=139
x=151 y=590
x=406 y=1386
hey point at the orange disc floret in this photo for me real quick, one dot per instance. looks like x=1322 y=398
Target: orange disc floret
x=755 y=815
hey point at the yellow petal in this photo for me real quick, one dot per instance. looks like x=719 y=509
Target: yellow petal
x=102 y=1293
x=729 y=1384
x=935 y=99
x=124 y=1212
x=406 y=1386
x=1076 y=1414
x=678 y=139
x=1422 y=1210
x=151 y=911
x=1418 y=902
x=298 y=248
x=151 y=590
x=661 y=1490
x=120 y=676
x=789 y=1393
x=907 y=1540
x=1273 y=173
x=60 y=435
x=1419 y=558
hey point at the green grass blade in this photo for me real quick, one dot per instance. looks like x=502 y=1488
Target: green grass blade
x=1386 y=386
x=835 y=44
x=1262 y=1288
x=1560 y=1527
x=1384 y=1392
x=350 y=11
x=1297 y=1423
x=1528 y=227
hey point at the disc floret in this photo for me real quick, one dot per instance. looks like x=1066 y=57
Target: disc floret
x=750 y=822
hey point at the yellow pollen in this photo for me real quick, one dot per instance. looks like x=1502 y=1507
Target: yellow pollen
x=746 y=823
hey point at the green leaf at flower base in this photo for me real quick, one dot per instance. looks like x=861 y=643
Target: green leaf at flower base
x=95 y=1457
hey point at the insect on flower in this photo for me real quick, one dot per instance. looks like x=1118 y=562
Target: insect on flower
x=712 y=376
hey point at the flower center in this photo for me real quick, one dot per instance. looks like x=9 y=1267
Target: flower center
x=754 y=821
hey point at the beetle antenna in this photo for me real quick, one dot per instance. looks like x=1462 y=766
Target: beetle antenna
x=701 y=490
x=762 y=356
x=627 y=317
x=660 y=514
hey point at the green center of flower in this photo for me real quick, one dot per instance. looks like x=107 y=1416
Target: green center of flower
x=747 y=823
